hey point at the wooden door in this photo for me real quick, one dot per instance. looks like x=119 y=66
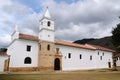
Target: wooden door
x=6 y=63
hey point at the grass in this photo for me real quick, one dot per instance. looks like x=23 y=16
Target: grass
x=63 y=76
x=103 y=74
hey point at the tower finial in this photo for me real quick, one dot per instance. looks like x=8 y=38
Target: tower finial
x=47 y=14
x=16 y=28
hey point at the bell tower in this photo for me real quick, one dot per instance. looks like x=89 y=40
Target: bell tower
x=46 y=43
x=46 y=29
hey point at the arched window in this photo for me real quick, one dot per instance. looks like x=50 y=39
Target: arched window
x=48 y=23
x=48 y=47
x=27 y=60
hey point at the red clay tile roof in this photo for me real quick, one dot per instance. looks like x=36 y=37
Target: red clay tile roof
x=59 y=42
x=28 y=37
x=101 y=48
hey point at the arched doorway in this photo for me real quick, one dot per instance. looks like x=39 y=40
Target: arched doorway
x=57 y=64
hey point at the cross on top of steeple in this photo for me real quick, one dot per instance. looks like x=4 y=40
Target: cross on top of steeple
x=47 y=14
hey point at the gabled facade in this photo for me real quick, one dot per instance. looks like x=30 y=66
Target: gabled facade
x=44 y=52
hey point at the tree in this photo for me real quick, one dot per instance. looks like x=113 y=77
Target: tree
x=116 y=37
x=116 y=42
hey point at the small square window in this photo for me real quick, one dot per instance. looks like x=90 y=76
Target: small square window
x=90 y=57
x=80 y=56
x=103 y=54
x=117 y=58
x=65 y=57
x=100 y=57
x=69 y=55
x=48 y=35
x=98 y=53
x=28 y=48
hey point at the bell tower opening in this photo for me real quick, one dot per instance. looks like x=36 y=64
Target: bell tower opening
x=48 y=24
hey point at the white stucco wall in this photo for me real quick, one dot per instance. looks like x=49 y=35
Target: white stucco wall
x=18 y=53
x=15 y=35
x=2 y=60
x=43 y=24
x=75 y=63
x=46 y=32
x=106 y=57
x=118 y=61
x=47 y=35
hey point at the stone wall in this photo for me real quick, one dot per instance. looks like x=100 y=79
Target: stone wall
x=23 y=69
x=45 y=56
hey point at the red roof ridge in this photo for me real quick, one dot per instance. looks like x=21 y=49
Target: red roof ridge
x=100 y=47
x=61 y=42
x=89 y=46
x=28 y=37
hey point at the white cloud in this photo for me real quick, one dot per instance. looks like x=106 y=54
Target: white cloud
x=95 y=18
x=5 y=39
x=5 y=2
x=81 y=19
x=11 y=13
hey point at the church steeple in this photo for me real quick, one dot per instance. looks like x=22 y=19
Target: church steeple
x=46 y=43
x=16 y=28
x=15 y=34
x=46 y=29
x=47 y=13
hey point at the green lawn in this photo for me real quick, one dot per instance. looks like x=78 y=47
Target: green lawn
x=74 y=75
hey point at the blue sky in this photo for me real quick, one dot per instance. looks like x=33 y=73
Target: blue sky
x=77 y=19
x=35 y=5
x=67 y=1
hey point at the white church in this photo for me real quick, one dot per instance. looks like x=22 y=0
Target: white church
x=44 y=52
